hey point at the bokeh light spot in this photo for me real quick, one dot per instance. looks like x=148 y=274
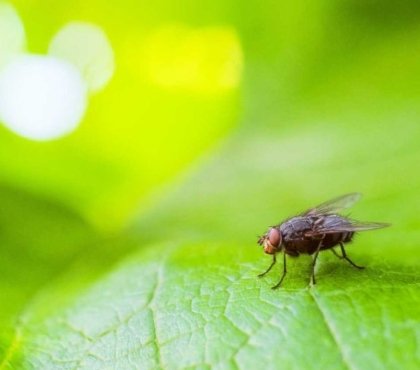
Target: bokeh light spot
x=87 y=47
x=12 y=33
x=41 y=97
x=201 y=60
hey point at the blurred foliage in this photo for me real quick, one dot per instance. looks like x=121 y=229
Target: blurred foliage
x=328 y=103
x=137 y=133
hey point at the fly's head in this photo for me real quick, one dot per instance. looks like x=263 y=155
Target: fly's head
x=271 y=241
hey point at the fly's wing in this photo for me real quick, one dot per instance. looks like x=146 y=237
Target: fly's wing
x=336 y=224
x=334 y=205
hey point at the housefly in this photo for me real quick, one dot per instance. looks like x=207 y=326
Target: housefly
x=315 y=230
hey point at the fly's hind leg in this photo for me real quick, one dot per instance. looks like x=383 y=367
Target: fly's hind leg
x=344 y=255
x=269 y=267
x=284 y=272
x=335 y=252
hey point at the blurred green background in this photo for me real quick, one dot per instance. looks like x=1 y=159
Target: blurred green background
x=216 y=120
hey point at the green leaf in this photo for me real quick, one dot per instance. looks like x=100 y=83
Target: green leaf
x=189 y=295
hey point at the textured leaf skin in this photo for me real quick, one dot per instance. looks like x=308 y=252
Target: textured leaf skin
x=186 y=294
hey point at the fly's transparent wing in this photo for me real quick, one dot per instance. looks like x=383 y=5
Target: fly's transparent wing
x=334 y=205
x=341 y=224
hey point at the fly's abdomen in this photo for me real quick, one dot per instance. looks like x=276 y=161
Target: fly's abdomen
x=333 y=239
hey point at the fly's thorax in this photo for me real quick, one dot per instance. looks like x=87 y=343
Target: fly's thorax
x=295 y=227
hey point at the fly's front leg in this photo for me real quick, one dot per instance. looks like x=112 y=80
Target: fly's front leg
x=284 y=272
x=270 y=267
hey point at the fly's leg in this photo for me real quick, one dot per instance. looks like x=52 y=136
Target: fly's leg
x=335 y=252
x=284 y=273
x=313 y=281
x=270 y=267
x=343 y=251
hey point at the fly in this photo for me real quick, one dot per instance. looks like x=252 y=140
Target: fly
x=315 y=230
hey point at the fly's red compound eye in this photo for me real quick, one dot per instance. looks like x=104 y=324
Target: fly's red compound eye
x=274 y=237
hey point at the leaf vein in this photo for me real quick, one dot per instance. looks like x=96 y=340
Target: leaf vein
x=344 y=357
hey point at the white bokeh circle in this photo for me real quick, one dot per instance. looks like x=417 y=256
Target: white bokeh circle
x=41 y=97
x=88 y=48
